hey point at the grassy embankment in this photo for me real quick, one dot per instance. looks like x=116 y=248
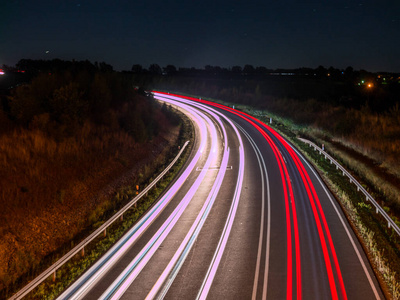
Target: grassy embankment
x=98 y=215
x=70 y=271
x=72 y=145
x=381 y=244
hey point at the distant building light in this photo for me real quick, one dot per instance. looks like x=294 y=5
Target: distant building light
x=283 y=74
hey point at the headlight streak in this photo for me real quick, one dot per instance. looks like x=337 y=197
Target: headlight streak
x=225 y=234
x=196 y=227
x=172 y=269
x=83 y=285
x=288 y=192
x=207 y=282
x=122 y=283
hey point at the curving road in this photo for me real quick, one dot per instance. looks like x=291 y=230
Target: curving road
x=248 y=218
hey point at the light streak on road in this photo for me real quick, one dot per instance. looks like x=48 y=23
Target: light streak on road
x=172 y=269
x=206 y=286
x=82 y=286
x=320 y=219
x=125 y=279
x=285 y=161
x=290 y=211
x=263 y=172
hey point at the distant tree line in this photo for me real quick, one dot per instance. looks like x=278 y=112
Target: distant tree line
x=359 y=106
x=331 y=73
x=62 y=95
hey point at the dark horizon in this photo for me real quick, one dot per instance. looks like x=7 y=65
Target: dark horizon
x=232 y=68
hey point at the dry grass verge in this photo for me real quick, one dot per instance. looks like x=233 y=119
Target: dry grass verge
x=53 y=190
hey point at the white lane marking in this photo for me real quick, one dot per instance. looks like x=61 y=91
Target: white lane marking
x=345 y=227
x=172 y=269
x=208 y=280
x=262 y=168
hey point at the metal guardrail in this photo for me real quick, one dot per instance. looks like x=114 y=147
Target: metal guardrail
x=81 y=246
x=368 y=197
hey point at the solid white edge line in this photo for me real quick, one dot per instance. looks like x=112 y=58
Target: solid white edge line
x=260 y=239
x=344 y=225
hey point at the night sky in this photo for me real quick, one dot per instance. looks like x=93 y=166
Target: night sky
x=274 y=34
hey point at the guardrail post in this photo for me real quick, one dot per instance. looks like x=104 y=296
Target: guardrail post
x=105 y=232
x=366 y=198
x=54 y=276
x=337 y=167
x=122 y=217
x=388 y=224
x=358 y=188
x=351 y=181
x=343 y=173
x=83 y=251
x=377 y=211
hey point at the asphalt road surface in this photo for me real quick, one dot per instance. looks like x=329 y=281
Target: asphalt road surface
x=248 y=218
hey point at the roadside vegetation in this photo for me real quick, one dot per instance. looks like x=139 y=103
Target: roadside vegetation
x=51 y=288
x=74 y=143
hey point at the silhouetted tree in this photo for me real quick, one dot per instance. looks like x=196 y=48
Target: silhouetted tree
x=137 y=69
x=155 y=69
x=248 y=69
x=68 y=107
x=170 y=70
x=321 y=71
x=261 y=71
x=236 y=69
x=349 y=73
x=103 y=67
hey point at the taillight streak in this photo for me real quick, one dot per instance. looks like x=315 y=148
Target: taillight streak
x=319 y=218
